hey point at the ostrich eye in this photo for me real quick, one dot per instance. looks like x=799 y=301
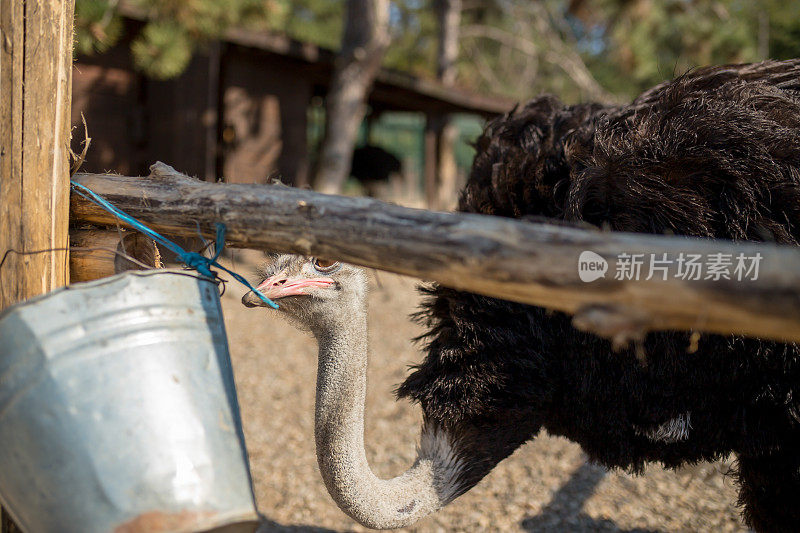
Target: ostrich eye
x=323 y=265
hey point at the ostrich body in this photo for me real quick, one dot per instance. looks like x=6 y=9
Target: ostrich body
x=714 y=153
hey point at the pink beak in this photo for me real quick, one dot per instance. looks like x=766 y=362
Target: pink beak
x=280 y=286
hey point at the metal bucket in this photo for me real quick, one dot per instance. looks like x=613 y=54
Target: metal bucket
x=118 y=410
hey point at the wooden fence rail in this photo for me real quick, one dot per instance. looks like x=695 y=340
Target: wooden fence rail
x=516 y=260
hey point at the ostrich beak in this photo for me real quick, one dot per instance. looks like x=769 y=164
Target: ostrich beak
x=281 y=286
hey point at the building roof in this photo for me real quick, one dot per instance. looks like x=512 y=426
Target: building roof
x=392 y=90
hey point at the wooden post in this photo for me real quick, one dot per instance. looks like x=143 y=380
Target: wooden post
x=448 y=13
x=35 y=97
x=431 y=162
x=447 y=172
x=439 y=162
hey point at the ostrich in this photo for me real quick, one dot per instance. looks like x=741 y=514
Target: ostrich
x=373 y=166
x=714 y=153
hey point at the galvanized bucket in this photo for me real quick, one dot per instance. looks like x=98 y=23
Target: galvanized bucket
x=118 y=410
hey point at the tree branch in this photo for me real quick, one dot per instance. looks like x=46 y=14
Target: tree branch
x=555 y=51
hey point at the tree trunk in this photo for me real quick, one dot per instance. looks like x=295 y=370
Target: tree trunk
x=365 y=40
x=430 y=139
x=763 y=34
x=448 y=13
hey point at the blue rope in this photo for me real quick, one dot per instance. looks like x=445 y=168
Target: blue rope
x=192 y=260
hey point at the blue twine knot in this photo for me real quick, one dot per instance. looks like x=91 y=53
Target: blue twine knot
x=198 y=262
x=193 y=260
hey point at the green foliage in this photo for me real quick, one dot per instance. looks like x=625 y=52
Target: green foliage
x=163 y=49
x=315 y=21
x=633 y=44
x=97 y=26
x=784 y=28
x=206 y=19
x=651 y=41
x=414 y=37
x=175 y=28
x=625 y=45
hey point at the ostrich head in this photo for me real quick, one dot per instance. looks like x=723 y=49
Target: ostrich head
x=329 y=299
x=313 y=292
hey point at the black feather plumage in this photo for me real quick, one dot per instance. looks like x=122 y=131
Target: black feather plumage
x=714 y=153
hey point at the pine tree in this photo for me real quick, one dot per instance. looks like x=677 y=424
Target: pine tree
x=97 y=26
x=316 y=21
x=578 y=49
x=174 y=30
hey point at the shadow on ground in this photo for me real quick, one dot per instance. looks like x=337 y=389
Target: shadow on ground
x=542 y=486
x=270 y=526
x=564 y=512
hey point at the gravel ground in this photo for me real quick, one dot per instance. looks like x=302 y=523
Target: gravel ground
x=547 y=485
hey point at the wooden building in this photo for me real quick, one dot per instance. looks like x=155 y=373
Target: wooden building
x=240 y=110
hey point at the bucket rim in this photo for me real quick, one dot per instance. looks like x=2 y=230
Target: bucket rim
x=87 y=285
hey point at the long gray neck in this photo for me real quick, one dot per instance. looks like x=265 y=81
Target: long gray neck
x=341 y=391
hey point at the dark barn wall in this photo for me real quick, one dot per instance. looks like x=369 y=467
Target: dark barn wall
x=239 y=112
x=134 y=121
x=264 y=115
x=243 y=116
x=109 y=94
x=182 y=117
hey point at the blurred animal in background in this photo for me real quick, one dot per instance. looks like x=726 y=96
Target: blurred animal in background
x=714 y=153
x=373 y=167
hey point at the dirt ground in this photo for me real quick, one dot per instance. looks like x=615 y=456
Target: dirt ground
x=547 y=485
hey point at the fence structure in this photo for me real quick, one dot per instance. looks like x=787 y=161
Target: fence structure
x=532 y=263
x=35 y=97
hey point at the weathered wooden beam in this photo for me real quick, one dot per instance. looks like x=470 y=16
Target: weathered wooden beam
x=512 y=259
x=96 y=254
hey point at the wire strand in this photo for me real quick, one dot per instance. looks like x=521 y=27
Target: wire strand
x=76 y=249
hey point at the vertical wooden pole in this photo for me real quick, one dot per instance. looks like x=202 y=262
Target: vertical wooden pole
x=448 y=13
x=447 y=170
x=440 y=163
x=35 y=97
x=431 y=161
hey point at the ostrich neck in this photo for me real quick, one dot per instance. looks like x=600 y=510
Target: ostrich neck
x=339 y=430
